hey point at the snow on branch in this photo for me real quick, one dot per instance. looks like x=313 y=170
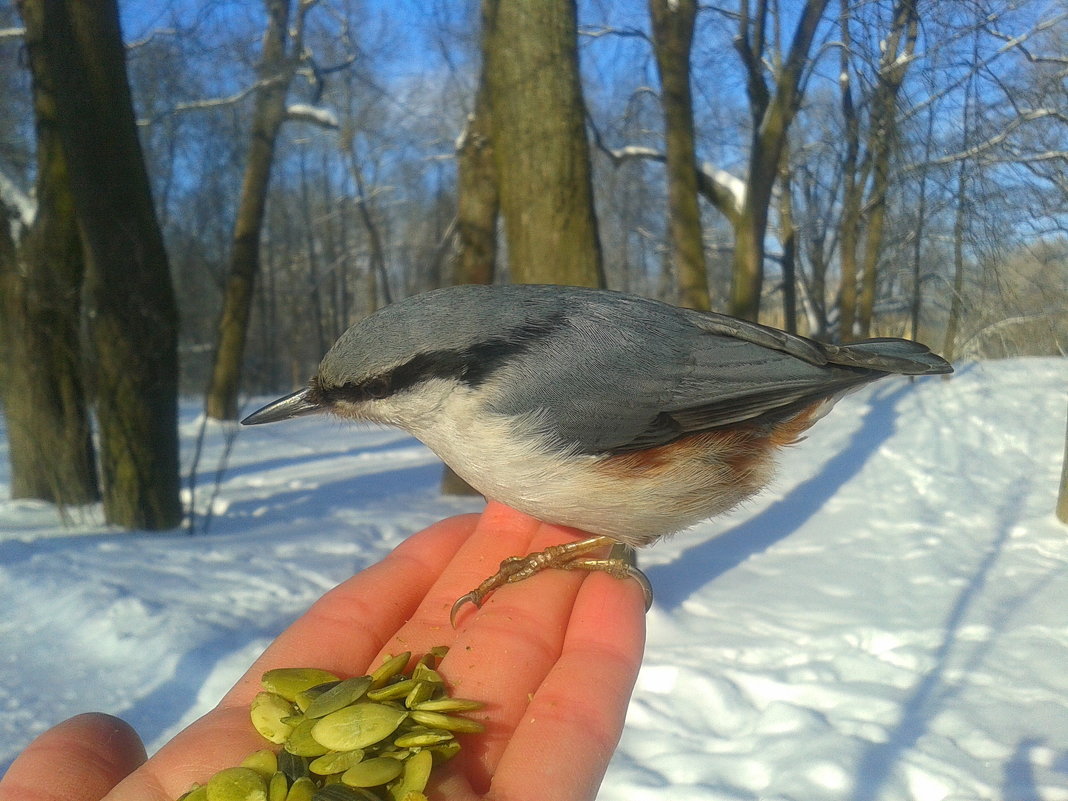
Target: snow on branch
x=323 y=117
x=21 y=207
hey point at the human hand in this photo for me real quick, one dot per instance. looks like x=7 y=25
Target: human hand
x=554 y=658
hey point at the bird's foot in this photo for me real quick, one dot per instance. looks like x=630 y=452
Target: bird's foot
x=621 y=563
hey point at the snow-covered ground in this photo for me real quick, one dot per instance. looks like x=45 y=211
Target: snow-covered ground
x=889 y=622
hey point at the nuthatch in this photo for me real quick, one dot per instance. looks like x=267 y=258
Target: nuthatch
x=622 y=416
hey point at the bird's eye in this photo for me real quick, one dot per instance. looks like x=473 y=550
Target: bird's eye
x=376 y=388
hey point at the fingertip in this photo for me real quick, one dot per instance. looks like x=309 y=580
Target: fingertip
x=81 y=759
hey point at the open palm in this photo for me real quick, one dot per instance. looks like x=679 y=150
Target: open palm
x=554 y=659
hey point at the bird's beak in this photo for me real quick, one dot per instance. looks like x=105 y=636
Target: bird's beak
x=294 y=405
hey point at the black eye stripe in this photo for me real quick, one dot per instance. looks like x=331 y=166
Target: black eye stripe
x=472 y=366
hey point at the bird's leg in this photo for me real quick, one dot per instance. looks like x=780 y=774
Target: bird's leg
x=567 y=556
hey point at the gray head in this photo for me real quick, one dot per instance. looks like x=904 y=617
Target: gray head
x=458 y=335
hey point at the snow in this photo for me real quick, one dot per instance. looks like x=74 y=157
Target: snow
x=886 y=623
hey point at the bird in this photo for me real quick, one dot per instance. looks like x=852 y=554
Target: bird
x=626 y=417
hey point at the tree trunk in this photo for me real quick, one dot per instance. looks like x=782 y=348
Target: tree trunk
x=882 y=140
x=49 y=435
x=275 y=73
x=957 y=302
x=788 y=238
x=478 y=201
x=132 y=315
x=673 y=24
x=530 y=58
x=771 y=115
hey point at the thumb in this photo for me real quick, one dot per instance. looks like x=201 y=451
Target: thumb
x=81 y=759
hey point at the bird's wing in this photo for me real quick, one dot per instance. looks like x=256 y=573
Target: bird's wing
x=687 y=372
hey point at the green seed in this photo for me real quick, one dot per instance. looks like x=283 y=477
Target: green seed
x=338 y=696
x=423 y=737
x=303 y=742
x=416 y=775
x=289 y=682
x=392 y=691
x=357 y=726
x=305 y=697
x=424 y=673
x=237 y=784
x=422 y=691
x=269 y=712
x=449 y=705
x=336 y=762
x=373 y=772
x=436 y=720
x=264 y=762
x=390 y=668
x=444 y=752
x=303 y=789
x=278 y=787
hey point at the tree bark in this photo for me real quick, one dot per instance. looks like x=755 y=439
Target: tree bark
x=771 y=115
x=48 y=428
x=898 y=50
x=673 y=25
x=478 y=199
x=275 y=73
x=132 y=315
x=539 y=139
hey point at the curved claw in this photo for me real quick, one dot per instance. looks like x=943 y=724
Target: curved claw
x=469 y=597
x=644 y=583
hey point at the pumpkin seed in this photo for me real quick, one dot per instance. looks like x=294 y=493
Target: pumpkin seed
x=289 y=682
x=303 y=789
x=373 y=772
x=340 y=695
x=390 y=668
x=237 y=784
x=423 y=737
x=416 y=775
x=336 y=762
x=264 y=762
x=303 y=742
x=357 y=726
x=449 y=705
x=278 y=787
x=305 y=697
x=269 y=713
x=436 y=720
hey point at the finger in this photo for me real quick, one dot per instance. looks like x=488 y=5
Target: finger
x=342 y=632
x=347 y=627
x=81 y=759
x=503 y=652
x=576 y=716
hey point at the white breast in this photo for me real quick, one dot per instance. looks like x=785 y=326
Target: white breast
x=505 y=458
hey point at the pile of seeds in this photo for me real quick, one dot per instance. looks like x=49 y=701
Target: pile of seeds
x=370 y=738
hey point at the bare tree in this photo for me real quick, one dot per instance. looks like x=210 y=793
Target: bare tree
x=44 y=397
x=278 y=63
x=673 y=26
x=539 y=140
x=771 y=112
x=78 y=52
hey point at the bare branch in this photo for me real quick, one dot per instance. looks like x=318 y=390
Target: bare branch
x=12 y=33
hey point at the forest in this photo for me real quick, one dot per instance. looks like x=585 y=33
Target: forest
x=199 y=196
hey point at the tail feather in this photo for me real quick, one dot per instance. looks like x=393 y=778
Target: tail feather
x=889 y=355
